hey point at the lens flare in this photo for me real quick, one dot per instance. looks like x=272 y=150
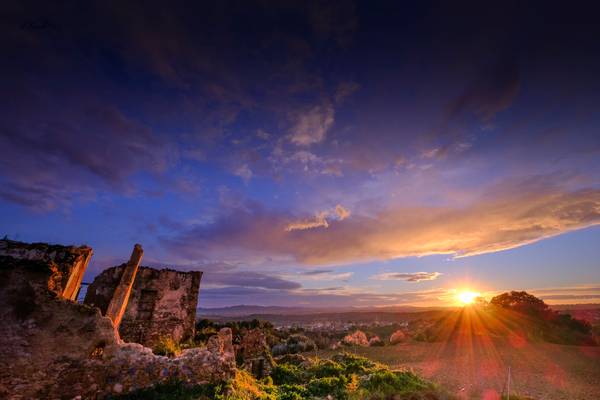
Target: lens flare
x=467 y=297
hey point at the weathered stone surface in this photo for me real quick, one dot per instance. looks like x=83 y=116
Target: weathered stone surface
x=120 y=299
x=162 y=303
x=376 y=341
x=397 y=337
x=254 y=353
x=53 y=348
x=357 y=338
x=68 y=263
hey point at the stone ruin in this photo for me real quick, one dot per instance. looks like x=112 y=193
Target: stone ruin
x=53 y=348
x=254 y=354
x=162 y=303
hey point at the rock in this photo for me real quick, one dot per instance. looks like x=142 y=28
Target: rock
x=397 y=337
x=376 y=341
x=254 y=353
x=357 y=338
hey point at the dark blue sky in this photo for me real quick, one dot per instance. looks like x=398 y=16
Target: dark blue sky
x=312 y=153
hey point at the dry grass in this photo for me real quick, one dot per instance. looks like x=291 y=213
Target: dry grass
x=477 y=367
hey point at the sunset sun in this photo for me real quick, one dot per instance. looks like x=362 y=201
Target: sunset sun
x=467 y=297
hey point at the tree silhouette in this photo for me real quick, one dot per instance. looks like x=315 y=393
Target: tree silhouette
x=522 y=302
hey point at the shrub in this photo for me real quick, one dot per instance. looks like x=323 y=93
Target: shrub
x=353 y=364
x=386 y=382
x=325 y=368
x=167 y=347
x=294 y=344
x=245 y=387
x=334 y=386
x=291 y=392
x=287 y=374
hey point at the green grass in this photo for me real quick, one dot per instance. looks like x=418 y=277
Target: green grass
x=346 y=377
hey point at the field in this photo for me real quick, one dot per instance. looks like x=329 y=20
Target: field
x=479 y=370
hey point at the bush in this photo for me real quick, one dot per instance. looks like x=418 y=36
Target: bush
x=287 y=374
x=291 y=392
x=334 y=386
x=245 y=387
x=167 y=347
x=294 y=344
x=326 y=368
x=388 y=382
x=353 y=364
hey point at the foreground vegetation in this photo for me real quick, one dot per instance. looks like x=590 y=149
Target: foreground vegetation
x=344 y=377
x=467 y=350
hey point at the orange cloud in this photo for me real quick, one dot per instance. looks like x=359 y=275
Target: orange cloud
x=489 y=225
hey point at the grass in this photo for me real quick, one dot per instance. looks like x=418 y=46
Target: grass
x=346 y=377
x=539 y=370
x=167 y=347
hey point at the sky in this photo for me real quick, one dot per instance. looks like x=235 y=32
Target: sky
x=319 y=154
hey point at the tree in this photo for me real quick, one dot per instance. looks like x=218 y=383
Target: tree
x=522 y=302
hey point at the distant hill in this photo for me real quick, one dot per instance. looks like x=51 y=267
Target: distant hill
x=249 y=310
x=243 y=310
x=562 y=307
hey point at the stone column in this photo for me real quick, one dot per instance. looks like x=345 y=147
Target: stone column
x=118 y=303
x=74 y=282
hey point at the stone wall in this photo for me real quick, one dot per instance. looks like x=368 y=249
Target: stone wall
x=162 y=303
x=254 y=353
x=69 y=263
x=54 y=348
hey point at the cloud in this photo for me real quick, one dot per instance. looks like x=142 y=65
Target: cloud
x=318 y=222
x=494 y=91
x=568 y=294
x=320 y=219
x=407 y=276
x=311 y=126
x=318 y=272
x=244 y=172
x=342 y=212
x=322 y=275
x=262 y=134
x=344 y=90
x=338 y=296
x=248 y=279
x=490 y=224
x=51 y=154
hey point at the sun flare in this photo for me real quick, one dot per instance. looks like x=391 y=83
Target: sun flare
x=467 y=297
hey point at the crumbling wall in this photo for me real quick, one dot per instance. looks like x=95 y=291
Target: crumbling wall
x=54 y=348
x=254 y=353
x=162 y=303
x=68 y=263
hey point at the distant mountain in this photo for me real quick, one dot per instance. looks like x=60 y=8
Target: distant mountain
x=562 y=307
x=243 y=310
x=249 y=310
